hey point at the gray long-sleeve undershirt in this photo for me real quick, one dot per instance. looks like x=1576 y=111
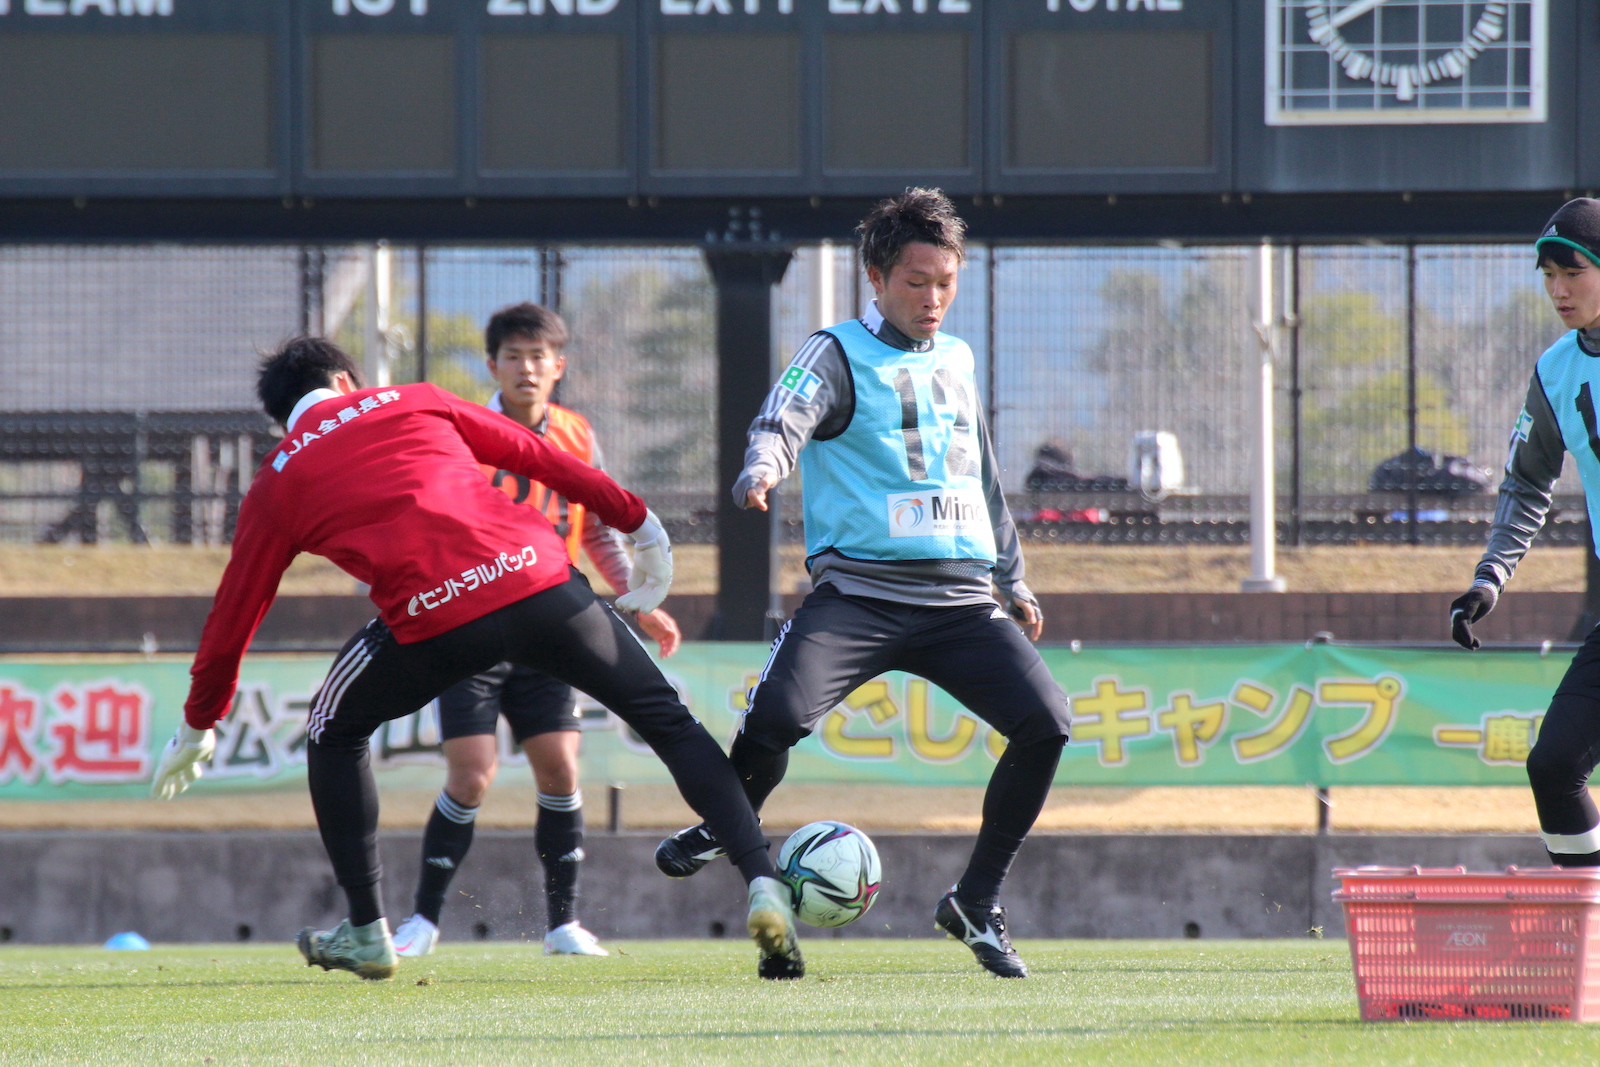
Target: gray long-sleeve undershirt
x=788 y=421
x=1532 y=468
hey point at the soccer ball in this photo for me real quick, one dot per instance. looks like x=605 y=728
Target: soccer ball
x=833 y=871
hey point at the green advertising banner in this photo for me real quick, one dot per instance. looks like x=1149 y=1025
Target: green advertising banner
x=1327 y=715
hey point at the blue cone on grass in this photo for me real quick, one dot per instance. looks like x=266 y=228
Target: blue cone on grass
x=127 y=941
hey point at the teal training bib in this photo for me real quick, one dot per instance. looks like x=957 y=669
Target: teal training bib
x=903 y=481
x=1571 y=378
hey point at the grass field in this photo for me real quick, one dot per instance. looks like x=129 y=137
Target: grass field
x=865 y=1002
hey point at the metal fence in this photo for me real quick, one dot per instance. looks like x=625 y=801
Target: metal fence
x=126 y=409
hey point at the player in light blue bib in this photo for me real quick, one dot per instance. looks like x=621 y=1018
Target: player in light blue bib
x=1558 y=417
x=908 y=540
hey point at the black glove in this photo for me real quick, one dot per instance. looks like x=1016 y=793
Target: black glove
x=1467 y=609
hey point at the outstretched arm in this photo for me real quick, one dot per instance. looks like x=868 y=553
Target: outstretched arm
x=499 y=442
x=1532 y=467
x=249 y=585
x=813 y=397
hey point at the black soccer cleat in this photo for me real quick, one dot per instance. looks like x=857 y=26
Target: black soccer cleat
x=686 y=851
x=987 y=938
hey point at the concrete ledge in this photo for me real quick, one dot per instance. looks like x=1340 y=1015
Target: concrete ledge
x=77 y=887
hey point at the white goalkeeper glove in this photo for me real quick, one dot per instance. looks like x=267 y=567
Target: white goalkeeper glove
x=181 y=759
x=652 y=567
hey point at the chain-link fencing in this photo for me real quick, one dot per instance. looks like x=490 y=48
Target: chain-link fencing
x=128 y=409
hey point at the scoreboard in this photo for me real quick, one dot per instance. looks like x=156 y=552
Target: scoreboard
x=530 y=98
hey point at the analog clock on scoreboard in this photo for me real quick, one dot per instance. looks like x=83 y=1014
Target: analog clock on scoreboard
x=1349 y=62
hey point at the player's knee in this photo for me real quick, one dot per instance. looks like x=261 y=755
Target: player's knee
x=1554 y=768
x=1045 y=722
x=774 y=728
x=468 y=786
x=557 y=774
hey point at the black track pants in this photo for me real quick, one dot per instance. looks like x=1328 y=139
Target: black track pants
x=565 y=631
x=1563 y=758
x=975 y=653
x=835 y=642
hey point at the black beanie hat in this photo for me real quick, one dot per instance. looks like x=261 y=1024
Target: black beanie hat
x=1577 y=225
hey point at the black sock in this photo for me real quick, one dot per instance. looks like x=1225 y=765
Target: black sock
x=760 y=769
x=1016 y=794
x=365 y=907
x=345 y=799
x=444 y=845
x=558 y=836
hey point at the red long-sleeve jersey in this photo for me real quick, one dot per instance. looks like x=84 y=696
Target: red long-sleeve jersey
x=387 y=484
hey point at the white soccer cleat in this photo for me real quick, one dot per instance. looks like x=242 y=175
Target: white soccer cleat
x=570 y=939
x=415 y=937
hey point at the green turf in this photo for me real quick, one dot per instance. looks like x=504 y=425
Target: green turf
x=656 y=1002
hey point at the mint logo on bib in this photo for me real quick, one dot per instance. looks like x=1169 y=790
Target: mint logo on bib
x=934 y=513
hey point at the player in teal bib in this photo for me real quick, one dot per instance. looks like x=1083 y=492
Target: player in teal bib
x=901 y=482
x=1558 y=418
x=913 y=556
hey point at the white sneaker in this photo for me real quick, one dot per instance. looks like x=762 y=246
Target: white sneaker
x=572 y=940
x=415 y=937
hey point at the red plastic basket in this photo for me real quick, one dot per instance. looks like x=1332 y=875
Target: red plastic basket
x=1446 y=943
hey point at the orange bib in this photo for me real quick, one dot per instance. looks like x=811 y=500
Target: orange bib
x=571 y=433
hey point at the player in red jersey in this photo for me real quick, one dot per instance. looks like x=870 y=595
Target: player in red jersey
x=388 y=484
x=526 y=354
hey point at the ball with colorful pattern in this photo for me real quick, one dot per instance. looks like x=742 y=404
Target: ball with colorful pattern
x=833 y=872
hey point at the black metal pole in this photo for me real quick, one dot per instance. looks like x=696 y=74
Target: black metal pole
x=1296 y=524
x=422 y=313
x=744 y=274
x=554 y=263
x=307 y=272
x=993 y=406
x=855 y=281
x=1411 y=392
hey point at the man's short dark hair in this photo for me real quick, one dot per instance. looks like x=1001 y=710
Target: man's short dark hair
x=1562 y=255
x=526 y=320
x=924 y=215
x=303 y=364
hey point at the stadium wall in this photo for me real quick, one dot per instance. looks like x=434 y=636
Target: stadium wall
x=81 y=887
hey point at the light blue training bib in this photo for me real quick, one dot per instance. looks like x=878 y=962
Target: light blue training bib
x=903 y=481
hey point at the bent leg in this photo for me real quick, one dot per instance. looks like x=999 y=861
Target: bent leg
x=570 y=633
x=1563 y=758
x=1558 y=770
x=986 y=663
x=832 y=645
x=374 y=679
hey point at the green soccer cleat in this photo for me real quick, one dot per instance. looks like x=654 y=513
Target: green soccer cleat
x=365 y=951
x=772 y=926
